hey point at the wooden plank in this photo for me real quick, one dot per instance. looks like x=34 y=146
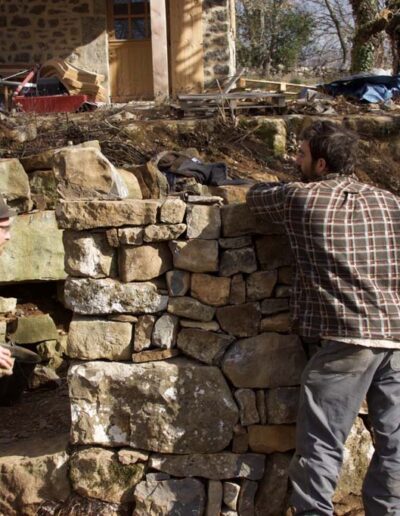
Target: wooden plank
x=186 y=51
x=159 y=45
x=277 y=85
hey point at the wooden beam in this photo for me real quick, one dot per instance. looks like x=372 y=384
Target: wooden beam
x=186 y=34
x=159 y=46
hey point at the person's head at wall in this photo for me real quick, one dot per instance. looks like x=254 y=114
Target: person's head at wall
x=326 y=148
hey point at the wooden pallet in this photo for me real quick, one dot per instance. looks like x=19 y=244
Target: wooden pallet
x=289 y=89
x=235 y=101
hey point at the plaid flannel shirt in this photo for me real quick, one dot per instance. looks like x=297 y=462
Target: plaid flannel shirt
x=345 y=238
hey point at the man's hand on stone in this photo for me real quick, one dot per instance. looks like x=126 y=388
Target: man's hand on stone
x=6 y=362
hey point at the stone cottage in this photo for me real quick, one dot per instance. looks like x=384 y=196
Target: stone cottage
x=143 y=48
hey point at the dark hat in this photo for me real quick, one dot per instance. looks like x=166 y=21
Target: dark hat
x=5 y=211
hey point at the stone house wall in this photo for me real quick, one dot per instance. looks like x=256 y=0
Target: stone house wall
x=185 y=379
x=34 y=31
x=219 y=40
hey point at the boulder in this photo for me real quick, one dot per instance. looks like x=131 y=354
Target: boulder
x=272 y=438
x=203 y=222
x=207 y=326
x=238 y=260
x=178 y=282
x=190 y=308
x=132 y=184
x=214 y=466
x=165 y=331
x=261 y=285
x=212 y=290
x=145 y=262
x=282 y=405
x=357 y=455
x=88 y=296
x=84 y=173
x=246 y=399
x=44 y=377
x=231 y=494
x=8 y=305
x=168 y=407
x=238 y=220
x=235 y=242
x=240 y=320
x=195 y=255
x=99 y=213
x=99 y=473
x=35 y=251
x=35 y=328
x=272 y=492
x=214 y=498
x=273 y=252
x=163 y=232
x=14 y=185
x=44 y=160
x=237 y=294
x=280 y=323
x=91 y=338
x=131 y=236
x=88 y=254
x=206 y=346
x=245 y=505
x=143 y=332
x=172 y=211
x=230 y=193
x=43 y=184
x=274 y=306
x=154 y=355
x=272 y=131
x=185 y=497
x=33 y=471
x=265 y=361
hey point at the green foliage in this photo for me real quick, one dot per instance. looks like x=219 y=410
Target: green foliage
x=271 y=33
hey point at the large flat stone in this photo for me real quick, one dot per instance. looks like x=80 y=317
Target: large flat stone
x=273 y=252
x=272 y=438
x=35 y=328
x=238 y=260
x=145 y=262
x=35 y=251
x=169 y=407
x=216 y=466
x=91 y=338
x=88 y=254
x=107 y=296
x=183 y=497
x=238 y=220
x=195 y=255
x=266 y=361
x=206 y=346
x=96 y=214
x=272 y=493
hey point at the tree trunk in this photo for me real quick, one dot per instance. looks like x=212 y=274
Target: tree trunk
x=367 y=41
x=393 y=31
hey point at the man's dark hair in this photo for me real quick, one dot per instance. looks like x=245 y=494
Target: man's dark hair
x=334 y=143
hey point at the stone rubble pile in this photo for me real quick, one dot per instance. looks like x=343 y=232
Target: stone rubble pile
x=185 y=377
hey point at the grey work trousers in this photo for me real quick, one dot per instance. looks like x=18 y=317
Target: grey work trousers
x=334 y=384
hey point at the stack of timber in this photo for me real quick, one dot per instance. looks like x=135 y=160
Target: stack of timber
x=289 y=89
x=232 y=101
x=76 y=80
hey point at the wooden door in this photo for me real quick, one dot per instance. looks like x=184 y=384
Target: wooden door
x=131 y=69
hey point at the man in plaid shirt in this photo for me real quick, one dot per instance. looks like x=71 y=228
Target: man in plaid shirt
x=345 y=239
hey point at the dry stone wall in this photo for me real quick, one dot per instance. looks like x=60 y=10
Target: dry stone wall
x=185 y=376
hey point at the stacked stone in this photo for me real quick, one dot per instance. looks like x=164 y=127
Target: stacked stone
x=185 y=377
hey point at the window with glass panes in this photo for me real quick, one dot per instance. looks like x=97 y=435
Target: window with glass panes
x=131 y=19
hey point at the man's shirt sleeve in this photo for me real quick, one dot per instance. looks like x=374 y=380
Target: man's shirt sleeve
x=268 y=199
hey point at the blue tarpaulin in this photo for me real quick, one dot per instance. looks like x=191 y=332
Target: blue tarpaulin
x=371 y=88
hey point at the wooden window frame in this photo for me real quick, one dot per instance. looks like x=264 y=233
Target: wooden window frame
x=111 y=19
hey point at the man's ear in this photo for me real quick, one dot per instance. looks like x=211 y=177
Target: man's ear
x=320 y=166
